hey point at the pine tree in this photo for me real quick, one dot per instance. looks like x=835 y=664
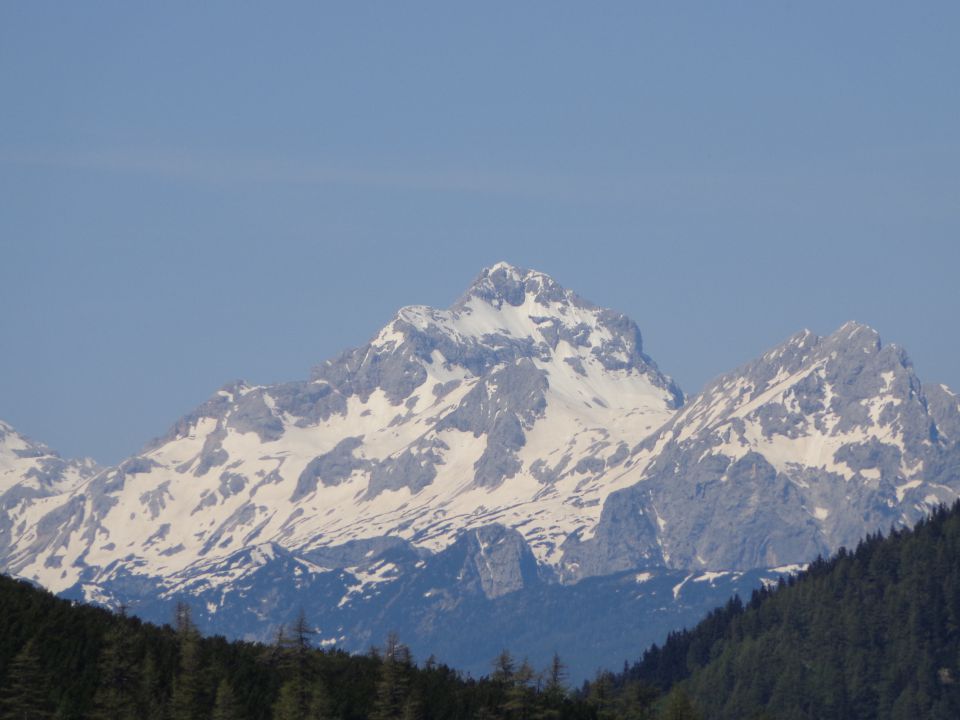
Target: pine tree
x=679 y=707
x=393 y=684
x=519 y=697
x=26 y=687
x=601 y=695
x=319 y=702
x=152 y=700
x=301 y=662
x=637 y=701
x=287 y=706
x=555 y=688
x=225 y=706
x=183 y=700
x=503 y=668
x=116 y=695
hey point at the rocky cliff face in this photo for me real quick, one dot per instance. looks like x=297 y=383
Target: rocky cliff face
x=800 y=452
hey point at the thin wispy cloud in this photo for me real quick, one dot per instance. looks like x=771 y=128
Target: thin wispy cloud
x=788 y=190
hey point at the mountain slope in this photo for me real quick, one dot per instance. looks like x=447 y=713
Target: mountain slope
x=868 y=634
x=802 y=451
x=494 y=456
x=34 y=480
x=504 y=409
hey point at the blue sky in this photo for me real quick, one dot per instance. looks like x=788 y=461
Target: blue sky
x=196 y=192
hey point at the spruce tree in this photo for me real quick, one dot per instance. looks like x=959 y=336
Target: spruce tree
x=320 y=705
x=503 y=668
x=301 y=661
x=518 y=702
x=555 y=688
x=225 y=706
x=680 y=707
x=412 y=707
x=393 y=683
x=637 y=701
x=601 y=695
x=183 y=700
x=26 y=687
x=119 y=684
x=287 y=706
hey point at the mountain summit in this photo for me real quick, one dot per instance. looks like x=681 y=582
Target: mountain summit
x=508 y=406
x=469 y=467
x=799 y=452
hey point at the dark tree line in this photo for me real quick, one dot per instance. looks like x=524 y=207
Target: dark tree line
x=61 y=660
x=872 y=634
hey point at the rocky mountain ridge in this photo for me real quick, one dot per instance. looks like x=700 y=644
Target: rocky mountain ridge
x=474 y=456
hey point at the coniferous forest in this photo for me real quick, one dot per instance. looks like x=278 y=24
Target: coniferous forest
x=61 y=660
x=872 y=633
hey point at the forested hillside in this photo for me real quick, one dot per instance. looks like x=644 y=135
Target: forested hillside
x=59 y=660
x=873 y=633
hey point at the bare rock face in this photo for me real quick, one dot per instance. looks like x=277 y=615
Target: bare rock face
x=805 y=450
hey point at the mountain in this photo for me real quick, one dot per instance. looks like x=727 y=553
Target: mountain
x=867 y=634
x=33 y=480
x=800 y=452
x=514 y=453
x=504 y=409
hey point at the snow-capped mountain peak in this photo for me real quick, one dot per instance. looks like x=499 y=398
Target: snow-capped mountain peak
x=796 y=453
x=466 y=459
x=514 y=403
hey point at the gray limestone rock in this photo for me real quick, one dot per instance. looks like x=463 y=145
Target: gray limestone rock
x=548 y=474
x=355 y=552
x=231 y=484
x=309 y=402
x=626 y=538
x=211 y=455
x=252 y=414
x=944 y=408
x=590 y=465
x=501 y=407
x=331 y=468
x=397 y=370
x=502 y=560
x=216 y=407
x=48 y=471
x=723 y=495
x=155 y=500
x=441 y=390
x=241 y=517
x=413 y=469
